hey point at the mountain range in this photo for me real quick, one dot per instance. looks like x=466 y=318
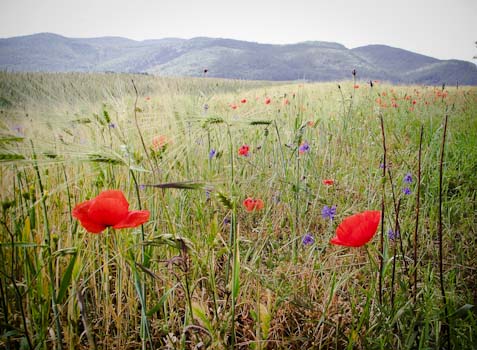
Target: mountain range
x=227 y=58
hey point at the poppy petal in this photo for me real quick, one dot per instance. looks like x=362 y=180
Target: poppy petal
x=81 y=213
x=81 y=210
x=248 y=204
x=133 y=219
x=358 y=229
x=109 y=208
x=259 y=204
x=91 y=226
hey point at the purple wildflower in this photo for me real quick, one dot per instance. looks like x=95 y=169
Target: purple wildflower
x=212 y=153
x=328 y=212
x=308 y=239
x=393 y=235
x=406 y=191
x=408 y=178
x=207 y=194
x=112 y=125
x=304 y=147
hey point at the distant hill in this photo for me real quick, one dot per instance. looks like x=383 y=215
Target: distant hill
x=226 y=58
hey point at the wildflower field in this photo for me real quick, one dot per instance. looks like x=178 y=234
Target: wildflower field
x=169 y=213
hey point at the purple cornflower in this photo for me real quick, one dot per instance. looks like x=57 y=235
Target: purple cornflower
x=212 y=153
x=408 y=178
x=207 y=194
x=393 y=235
x=406 y=191
x=226 y=221
x=328 y=212
x=304 y=147
x=308 y=239
x=112 y=125
x=142 y=187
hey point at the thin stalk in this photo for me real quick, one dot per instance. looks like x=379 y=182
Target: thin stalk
x=51 y=273
x=418 y=194
x=281 y=149
x=233 y=237
x=439 y=231
x=139 y=129
x=84 y=318
x=296 y=232
x=144 y=321
x=396 y=232
x=381 y=238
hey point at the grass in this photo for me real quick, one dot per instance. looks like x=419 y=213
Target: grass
x=205 y=273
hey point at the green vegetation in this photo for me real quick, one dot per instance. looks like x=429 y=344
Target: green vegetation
x=203 y=272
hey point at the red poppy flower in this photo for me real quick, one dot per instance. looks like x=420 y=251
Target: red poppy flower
x=109 y=208
x=243 y=150
x=286 y=102
x=328 y=182
x=160 y=141
x=356 y=86
x=268 y=100
x=358 y=229
x=252 y=204
x=243 y=100
x=233 y=106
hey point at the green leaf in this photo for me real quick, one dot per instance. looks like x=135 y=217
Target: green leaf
x=236 y=273
x=185 y=185
x=463 y=311
x=9 y=138
x=7 y=157
x=226 y=202
x=161 y=301
x=22 y=245
x=65 y=281
x=261 y=122
x=199 y=313
x=98 y=158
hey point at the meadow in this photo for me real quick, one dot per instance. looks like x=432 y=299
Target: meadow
x=245 y=184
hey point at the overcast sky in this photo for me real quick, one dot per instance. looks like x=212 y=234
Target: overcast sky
x=440 y=28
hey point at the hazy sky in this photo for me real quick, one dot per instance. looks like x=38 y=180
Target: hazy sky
x=439 y=28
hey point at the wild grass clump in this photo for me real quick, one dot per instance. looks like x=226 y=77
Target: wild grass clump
x=246 y=184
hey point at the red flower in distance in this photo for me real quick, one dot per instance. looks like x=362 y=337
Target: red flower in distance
x=252 y=204
x=357 y=230
x=243 y=150
x=328 y=182
x=243 y=100
x=109 y=209
x=268 y=100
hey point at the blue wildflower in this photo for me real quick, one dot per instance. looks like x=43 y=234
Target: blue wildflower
x=308 y=239
x=328 y=212
x=406 y=191
x=408 y=178
x=212 y=153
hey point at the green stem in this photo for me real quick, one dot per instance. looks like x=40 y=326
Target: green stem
x=51 y=274
x=144 y=321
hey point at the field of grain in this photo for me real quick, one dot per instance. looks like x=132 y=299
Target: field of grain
x=245 y=184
